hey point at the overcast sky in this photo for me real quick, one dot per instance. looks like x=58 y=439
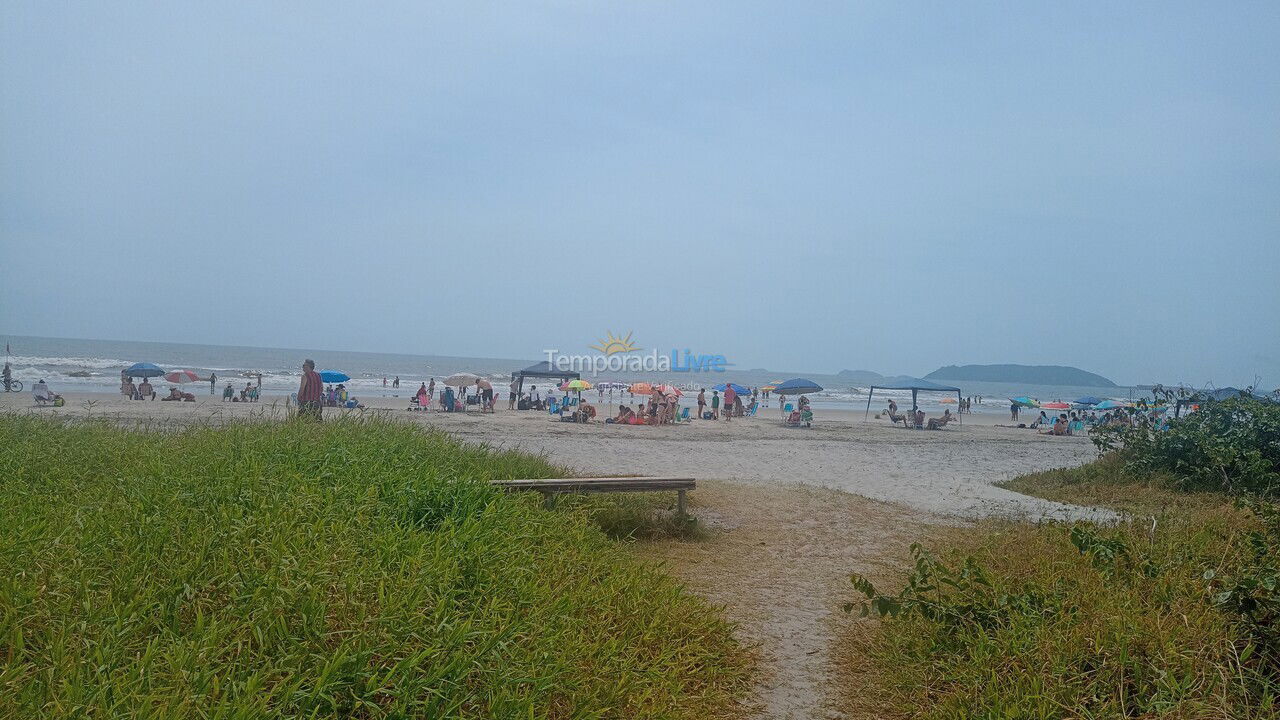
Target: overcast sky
x=892 y=186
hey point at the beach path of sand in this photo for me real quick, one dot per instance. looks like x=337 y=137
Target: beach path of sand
x=778 y=559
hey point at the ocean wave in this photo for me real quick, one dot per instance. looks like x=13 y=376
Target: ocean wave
x=84 y=363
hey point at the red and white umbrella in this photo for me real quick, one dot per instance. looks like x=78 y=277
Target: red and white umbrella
x=182 y=376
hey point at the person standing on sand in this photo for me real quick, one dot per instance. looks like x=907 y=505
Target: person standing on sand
x=1013 y=411
x=513 y=394
x=309 y=405
x=702 y=401
x=213 y=382
x=730 y=401
x=715 y=405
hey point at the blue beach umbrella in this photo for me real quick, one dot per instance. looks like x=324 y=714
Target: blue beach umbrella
x=797 y=386
x=1110 y=405
x=334 y=376
x=736 y=388
x=1088 y=400
x=1025 y=401
x=143 y=370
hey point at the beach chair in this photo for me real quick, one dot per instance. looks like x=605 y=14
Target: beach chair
x=553 y=408
x=684 y=415
x=751 y=412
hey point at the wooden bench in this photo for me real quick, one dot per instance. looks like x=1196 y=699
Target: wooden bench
x=550 y=487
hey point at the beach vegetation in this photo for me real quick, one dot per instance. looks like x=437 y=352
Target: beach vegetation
x=1172 y=611
x=354 y=568
x=1230 y=446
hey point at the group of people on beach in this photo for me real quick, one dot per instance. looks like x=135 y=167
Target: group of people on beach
x=141 y=391
x=250 y=393
x=915 y=418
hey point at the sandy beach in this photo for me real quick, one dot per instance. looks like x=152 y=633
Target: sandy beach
x=947 y=472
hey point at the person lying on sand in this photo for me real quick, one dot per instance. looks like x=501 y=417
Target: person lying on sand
x=624 y=415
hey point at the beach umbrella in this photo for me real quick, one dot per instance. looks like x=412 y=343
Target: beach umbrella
x=797 y=386
x=1025 y=401
x=736 y=388
x=611 y=385
x=1088 y=400
x=578 y=385
x=143 y=370
x=461 y=380
x=1055 y=406
x=1110 y=405
x=769 y=387
x=640 y=388
x=670 y=390
x=948 y=401
x=334 y=376
x=182 y=376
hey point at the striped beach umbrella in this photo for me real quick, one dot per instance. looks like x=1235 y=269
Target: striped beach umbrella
x=182 y=376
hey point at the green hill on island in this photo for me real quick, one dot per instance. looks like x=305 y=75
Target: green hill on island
x=1032 y=374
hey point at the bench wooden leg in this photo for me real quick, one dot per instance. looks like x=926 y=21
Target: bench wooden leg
x=680 y=504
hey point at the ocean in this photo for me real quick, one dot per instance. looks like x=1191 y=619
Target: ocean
x=78 y=365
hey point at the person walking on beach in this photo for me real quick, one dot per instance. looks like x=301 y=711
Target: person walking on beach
x=702 y=401
x=309 y=405
x=730 y=401
x=213 y=382
x=715 y=405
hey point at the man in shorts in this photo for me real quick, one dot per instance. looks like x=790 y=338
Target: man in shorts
x=309 y=392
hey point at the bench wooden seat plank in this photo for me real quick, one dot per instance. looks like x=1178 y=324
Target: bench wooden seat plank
x=550 y=487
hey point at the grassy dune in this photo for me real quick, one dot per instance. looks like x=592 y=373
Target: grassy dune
x=350 y=569
x=1014 y=620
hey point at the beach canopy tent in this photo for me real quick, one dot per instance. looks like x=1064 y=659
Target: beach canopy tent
x=915 y=385
x=543 y=369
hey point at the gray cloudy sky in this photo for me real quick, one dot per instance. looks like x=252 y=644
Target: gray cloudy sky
x=810 y=186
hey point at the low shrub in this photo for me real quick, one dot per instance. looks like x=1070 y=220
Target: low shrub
x=1230 y=446
x=1078 y=621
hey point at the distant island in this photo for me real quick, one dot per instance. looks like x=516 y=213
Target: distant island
x=1030 y=374
x=860 y=376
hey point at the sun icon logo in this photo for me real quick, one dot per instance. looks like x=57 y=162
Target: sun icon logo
x=612 y=345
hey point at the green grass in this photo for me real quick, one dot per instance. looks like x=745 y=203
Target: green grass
x=350 y=569
x=1105 y=483
x=1013 y=620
